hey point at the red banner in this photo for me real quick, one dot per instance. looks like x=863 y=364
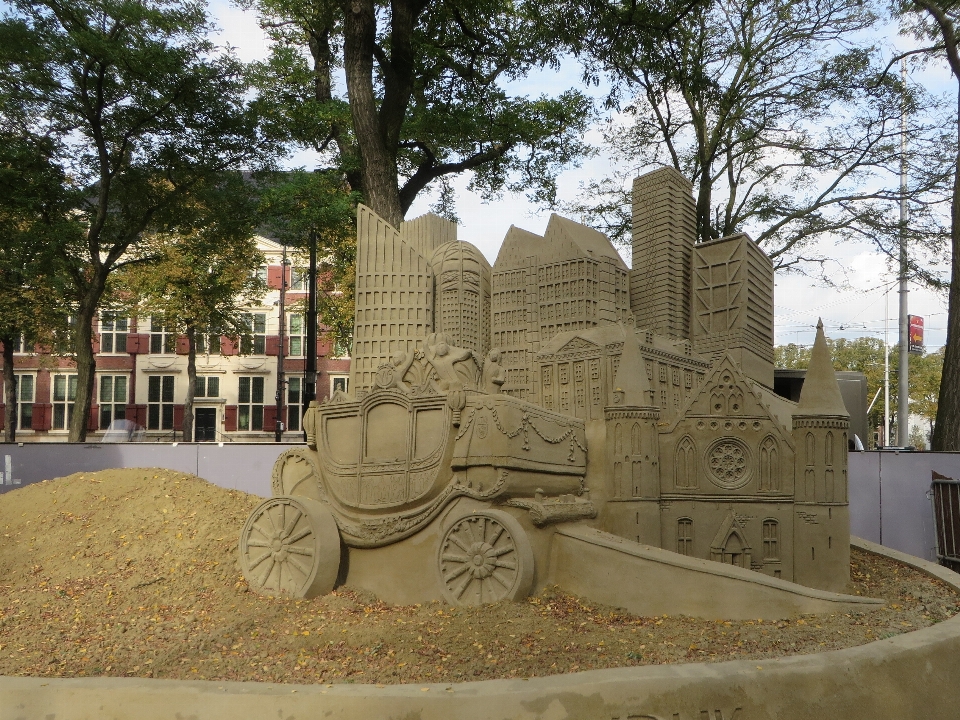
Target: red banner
x=916 y=334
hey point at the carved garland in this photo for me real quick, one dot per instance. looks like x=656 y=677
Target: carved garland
x=526 y=422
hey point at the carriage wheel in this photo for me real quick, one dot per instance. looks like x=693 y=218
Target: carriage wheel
x=296 y=473
x=290 y=545
x=485 y=557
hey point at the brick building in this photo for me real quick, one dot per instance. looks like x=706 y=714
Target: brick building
x=142 y=374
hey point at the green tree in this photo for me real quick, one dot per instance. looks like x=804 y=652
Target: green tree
x=303 y=208
x=937 y=21
x=925 y=374
x=786 y=127
x=427 y=95
x=32 y=225
x=144 y=107
x=202 y=275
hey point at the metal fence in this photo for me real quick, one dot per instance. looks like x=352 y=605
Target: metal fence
x=890 y=492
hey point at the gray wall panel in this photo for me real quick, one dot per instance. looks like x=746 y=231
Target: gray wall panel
x=863 y=473
x=233 y=465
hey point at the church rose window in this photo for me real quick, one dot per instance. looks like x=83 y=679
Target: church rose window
x=728 y=463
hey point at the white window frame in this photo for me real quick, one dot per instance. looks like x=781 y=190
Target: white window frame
x=300 y=336
x=65 y=405
x=254 y=341
x=22 y=402
x=246 y=401
x=166 y=340
x=162 y=407
x=203 y=387
x=339 y=379
x=299 y=279
x=294 y=402
x=116 y=409
x=113 y=333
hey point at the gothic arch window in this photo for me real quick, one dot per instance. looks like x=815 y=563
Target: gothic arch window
x=635 y=439
x=736 y=403
x=771 y=539
x=685 y=468
x=718 y=404
x=811 y=449
x=685 y=536
x=618 y=439
x=828 y=449
x=769 y=464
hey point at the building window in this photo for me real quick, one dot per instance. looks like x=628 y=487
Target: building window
x=21 y=347
x=160 y=402
x=250 y=406
x=23 y=388
x=207 y=386
x=293 y=403
x=339 y=382
x=341 y=348
x=296 y=333
x=113 y=399
x=261 y=274
x=113 y=333
x=163 y=339
x=771 y=540
x=64 y=395
x=207 y=343
x=254 y=339
x=685 y=536
x=298 y=279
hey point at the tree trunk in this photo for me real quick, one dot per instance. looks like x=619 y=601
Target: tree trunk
x=378 y=162
x=946 y=432
x=9 y=392
x=86 y=366
x=191 y=384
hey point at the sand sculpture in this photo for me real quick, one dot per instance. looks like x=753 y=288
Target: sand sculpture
x=558 y=389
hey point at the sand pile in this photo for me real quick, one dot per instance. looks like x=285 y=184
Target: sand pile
x=134 y=573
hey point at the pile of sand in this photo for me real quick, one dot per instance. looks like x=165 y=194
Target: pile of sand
x=134 y=573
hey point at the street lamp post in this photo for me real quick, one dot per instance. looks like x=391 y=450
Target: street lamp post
x=310 y=379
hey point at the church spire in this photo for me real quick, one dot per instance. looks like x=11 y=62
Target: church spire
x=631 y=379
x=820 y=394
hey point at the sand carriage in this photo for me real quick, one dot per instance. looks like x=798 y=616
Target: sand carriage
x=380 y=468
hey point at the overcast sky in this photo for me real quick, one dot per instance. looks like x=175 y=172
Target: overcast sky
x=852 y=311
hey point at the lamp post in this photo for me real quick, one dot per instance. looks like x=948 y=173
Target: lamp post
x=310 y=379
x=281 y=381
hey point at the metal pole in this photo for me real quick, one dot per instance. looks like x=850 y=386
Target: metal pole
x=886 y=369
x=281 y=383
x=310 y=379
x=903 y=385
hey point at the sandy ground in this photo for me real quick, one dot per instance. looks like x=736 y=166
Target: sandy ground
x=134 y=573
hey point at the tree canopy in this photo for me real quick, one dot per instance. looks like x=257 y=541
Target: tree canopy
x=140 y=107
x=784 y=121
x=427 y=96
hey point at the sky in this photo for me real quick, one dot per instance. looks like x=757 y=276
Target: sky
x=864 y=301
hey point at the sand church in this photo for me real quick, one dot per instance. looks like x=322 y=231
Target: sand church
x=668 y=362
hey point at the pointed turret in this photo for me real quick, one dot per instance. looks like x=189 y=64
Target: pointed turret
x=820 y=394
x=631 y=385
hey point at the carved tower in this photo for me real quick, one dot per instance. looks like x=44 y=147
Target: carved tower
x=633 y=450
x=822 y=523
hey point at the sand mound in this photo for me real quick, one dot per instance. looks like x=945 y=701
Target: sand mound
x=134 y=572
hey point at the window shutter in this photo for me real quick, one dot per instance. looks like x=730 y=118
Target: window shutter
x=230 y=418
x=273 y=277
x=93 y=422
x=273 y=345
x=183 y=345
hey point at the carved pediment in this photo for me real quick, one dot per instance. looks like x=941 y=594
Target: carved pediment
x=578 y=344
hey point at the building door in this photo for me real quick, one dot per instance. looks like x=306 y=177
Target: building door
x=205 y=425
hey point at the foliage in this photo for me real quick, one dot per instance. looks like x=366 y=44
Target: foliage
x=786 y=127
x=299 y=208
x=32 y=224
x=427 y=95
x=142 y=108
x=866 y=355
x=937 y=24
x=203 y=274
